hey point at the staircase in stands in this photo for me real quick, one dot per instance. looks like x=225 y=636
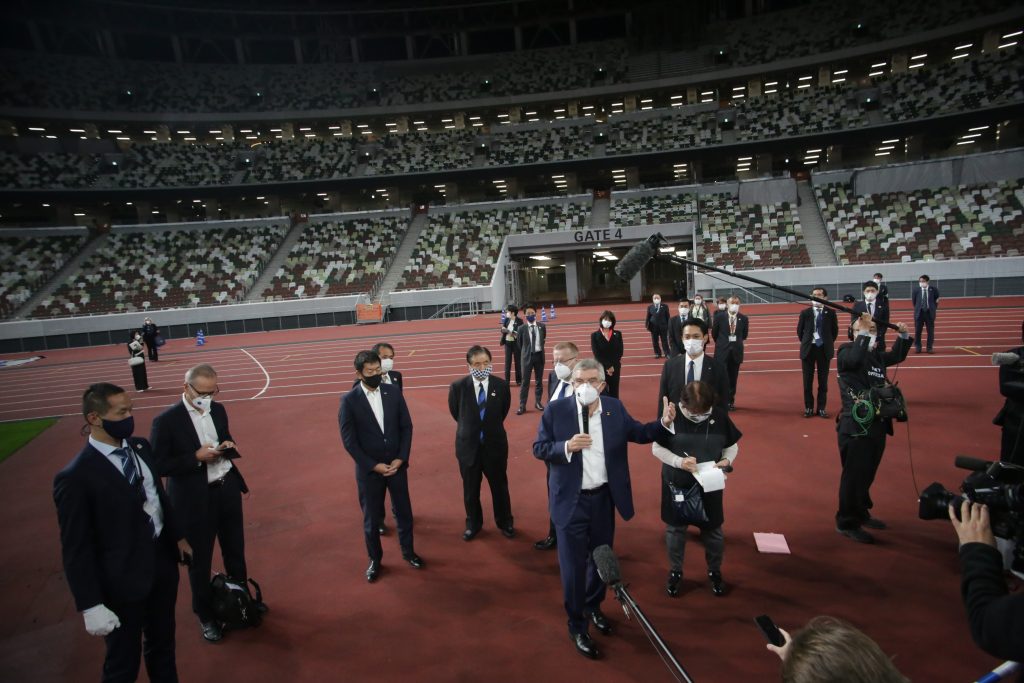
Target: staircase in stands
x=402 y=256
x=819 y=244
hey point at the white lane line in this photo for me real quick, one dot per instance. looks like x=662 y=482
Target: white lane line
x=265 y=373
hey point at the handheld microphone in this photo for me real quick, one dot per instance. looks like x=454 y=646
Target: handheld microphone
x=637 y=257
x=1005 y=359
x=607 y=565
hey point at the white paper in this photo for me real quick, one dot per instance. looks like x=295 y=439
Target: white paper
x=711 y=478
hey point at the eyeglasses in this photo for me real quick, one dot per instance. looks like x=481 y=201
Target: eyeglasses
x=199 y=394
x=594 y=381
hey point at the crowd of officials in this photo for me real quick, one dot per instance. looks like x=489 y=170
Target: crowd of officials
x=122 y=533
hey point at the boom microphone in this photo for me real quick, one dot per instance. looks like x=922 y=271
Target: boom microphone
x=607 y=565
x=964 y=462
x=637 y=257
x=1004 y=358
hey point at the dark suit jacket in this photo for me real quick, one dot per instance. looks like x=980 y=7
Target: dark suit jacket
x=553 y=384
x=515 y=327
x=362 y=436
x=883 y=293
x=175 y=443
x=657 y=320
x=105 y=537
x=720 y=333
x=466 y=412
x=565 y=479
x=675 y=333
x=607 y=352
x=526 y=352
x=881 y=311
x=673 y=379
x=394 y=376
x=933 y=299
x=829 y=331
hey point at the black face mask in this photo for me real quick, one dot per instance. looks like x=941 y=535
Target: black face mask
x=373 y=381
x=120 y=429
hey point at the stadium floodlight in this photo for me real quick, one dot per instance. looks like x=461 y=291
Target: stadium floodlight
x=920 y=56
x=116 y=132
x=978 y=128
x=1012 y=35
x=805 y=78
x=1006 y=45
x=79 y=214
x=965 y=46
x=76 y=130
x=970 y=135
x=965 y=142
x=46 y=206
x=302 y=130
x=541 y=258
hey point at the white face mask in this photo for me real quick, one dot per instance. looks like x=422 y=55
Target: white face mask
x=386 y=364
x=817 y=304
x=734 y=308
x=694 y=417
x=924 y=285
x=869 y=296
x=694 y=347
x=563 y=371
x=877 y=280
x=721 y=307
x=697 y=301
x=606 y=324
x=586 y=394
x=656 y=301
x=202 y=404
x=683 y=312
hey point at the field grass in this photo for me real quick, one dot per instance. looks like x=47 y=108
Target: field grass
x=14 y=435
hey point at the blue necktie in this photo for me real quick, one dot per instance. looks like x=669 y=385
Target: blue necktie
x=820 y=341
x=689 y=373
x=481 y=401
x=131 y=473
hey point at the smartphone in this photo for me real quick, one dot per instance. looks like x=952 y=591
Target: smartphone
x=771 y=632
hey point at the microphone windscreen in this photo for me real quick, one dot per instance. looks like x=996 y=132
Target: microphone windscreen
x=634 y=260
x=965 y=462
x=607 y=565
x=1005 y=358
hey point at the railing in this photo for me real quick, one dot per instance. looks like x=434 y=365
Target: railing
x=458 y=309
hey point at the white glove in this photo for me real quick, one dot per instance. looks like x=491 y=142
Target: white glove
x=100 y=621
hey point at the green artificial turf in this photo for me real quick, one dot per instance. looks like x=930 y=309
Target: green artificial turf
x=14 y=435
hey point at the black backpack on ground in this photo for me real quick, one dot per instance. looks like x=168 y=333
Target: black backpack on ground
x=233 y=605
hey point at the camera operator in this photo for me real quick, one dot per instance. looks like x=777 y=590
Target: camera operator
x=996 y=618
x=860 y=367
x=1011 y=417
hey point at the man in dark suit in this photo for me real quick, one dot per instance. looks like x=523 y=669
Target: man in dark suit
x=565 y=356
x=693 y=366
x=120 y=542
x=883 y=289
x=531 y=339
x=479 y=404
x=656 y=323
x=925 y=298
x=509 y=340
x=729 y=330
x=817 y=330
x=376 y=430
x=584 y=440
x=675 y=329
x=196 y=452
x=876 y=307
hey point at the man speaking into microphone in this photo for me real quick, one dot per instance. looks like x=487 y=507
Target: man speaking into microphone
x=585 y=443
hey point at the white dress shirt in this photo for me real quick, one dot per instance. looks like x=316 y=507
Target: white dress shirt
x=564 y=390
x=152 y=505
x=217 y=468
x=672 y=460
x=698 y=367
x=376 y=403
x=595 y=473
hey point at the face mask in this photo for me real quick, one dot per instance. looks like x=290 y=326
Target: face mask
x=924 y=285
x=120 y=429
x=694 y=417
x=657 y=301
x=606 y=324
x=386 y=364
x=869 y=296
x=733 y=308
x=877 y=280
x=531 y=318
x=683 y=312
x=817 y=304
x=202 y=404
x=586 y=394
x=373 y=381
x=694 y=347
x=698 y=301
x=721 y=307
x=481 y=375
x=562 y=371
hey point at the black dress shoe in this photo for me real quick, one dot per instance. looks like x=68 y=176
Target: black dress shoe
x=600 y=621
x=508 y=531
x=414 y=560
x=857 y=534
x=521 y=410
x=372 y=570
x=808 y=412
x=538 y=405
x=469 y=534
x=546 y=543
x=823 y=413
x=211 y=631
x=874 y=523
x=584 y=645
x=672 y=586
x=717 y=585
x=931 y=351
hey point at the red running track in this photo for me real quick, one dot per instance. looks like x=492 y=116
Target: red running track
x=492 y=608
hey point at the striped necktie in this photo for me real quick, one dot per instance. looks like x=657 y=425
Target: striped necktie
x=130 y=470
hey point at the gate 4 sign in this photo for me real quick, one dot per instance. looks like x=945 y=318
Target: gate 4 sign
x=597 y=235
